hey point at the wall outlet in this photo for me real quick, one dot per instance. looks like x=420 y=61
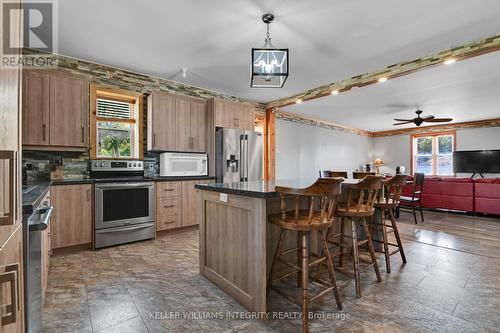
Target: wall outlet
x=223 y=197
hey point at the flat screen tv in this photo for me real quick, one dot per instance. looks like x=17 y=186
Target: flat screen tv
x=476 y=161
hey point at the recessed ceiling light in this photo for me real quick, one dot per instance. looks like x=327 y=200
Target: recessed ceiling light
x=335 y=92
x=382 y=79
x=450 y=61
x=298 y=101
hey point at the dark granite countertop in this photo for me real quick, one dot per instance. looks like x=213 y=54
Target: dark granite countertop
x=260 y=189
x=33 y=194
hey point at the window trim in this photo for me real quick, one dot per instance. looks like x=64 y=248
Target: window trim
x=453 y=133
x=101 y=91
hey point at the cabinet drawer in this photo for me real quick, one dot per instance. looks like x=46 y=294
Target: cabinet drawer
x=168 y=189
x=164 y=222
x=166 y=206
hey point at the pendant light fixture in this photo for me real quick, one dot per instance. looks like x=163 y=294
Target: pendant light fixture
x=269 y=65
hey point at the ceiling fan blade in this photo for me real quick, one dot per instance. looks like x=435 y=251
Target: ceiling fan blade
x=403 y=119
x=428 y=118
x=404 y=122
x=439 y=120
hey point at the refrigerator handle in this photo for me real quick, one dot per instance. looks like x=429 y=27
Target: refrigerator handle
x=247 y=161
x=242 y=158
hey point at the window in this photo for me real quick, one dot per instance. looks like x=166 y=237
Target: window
x=116 y=123
x=433 y=153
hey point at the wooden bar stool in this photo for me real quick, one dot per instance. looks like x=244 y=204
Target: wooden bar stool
x=304 y=221
x=361 y=174
x=386 y=206
x=329 y=173
x=358 y=208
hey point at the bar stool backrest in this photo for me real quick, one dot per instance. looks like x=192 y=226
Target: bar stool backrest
x=361 y=174
x=362 y=196
x=330 y=174
x=326 y=190
x=393 y=188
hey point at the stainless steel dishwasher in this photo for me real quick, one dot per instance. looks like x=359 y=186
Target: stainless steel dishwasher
x=33 y=229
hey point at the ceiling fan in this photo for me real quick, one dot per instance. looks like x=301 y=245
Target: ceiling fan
x=420 y=120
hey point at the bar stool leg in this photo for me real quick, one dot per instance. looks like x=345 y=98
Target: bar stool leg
x=355 y=258
x=398 y=238
x=277 y=254
x=331 y=272
x=341 y=242
x=385 y=241
x=371 y=250
x=305 y=281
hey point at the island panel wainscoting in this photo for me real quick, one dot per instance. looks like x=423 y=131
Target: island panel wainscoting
x=236 y=242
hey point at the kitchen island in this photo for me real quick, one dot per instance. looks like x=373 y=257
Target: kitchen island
x=236 y=242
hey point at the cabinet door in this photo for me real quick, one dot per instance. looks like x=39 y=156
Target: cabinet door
x=246 y=117
x=183 y=124
x=225 y=114
x=11 y=283
x=198 y=124
x=68 y=111
x=35 y=108
x=72 y=217
x=162 y=118
x=190 y=202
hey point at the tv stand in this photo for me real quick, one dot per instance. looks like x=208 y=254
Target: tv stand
x=477 y=173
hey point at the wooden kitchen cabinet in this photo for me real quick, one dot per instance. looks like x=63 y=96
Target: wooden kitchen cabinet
x=189 y=202
x=176 y=123
x=168 y=205
x=55 y=111
x=71 y=222
x=230 y=114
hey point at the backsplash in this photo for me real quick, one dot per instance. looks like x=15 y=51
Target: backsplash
x=37 y=166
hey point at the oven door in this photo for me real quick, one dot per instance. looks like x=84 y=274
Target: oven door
x=122 y=204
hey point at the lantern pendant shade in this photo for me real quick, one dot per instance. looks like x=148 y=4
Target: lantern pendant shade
x=269 y=67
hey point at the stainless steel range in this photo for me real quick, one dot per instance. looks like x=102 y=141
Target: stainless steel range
x=124 y=202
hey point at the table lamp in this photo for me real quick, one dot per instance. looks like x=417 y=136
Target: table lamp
x=378 y=163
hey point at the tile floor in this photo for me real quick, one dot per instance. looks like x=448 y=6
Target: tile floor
x=133 y=288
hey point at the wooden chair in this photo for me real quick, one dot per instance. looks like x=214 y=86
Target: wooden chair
x=415 y=201
x=386 y=206
x=326 y=191
x=358 y=208
x=361 y=174
x=329 y=173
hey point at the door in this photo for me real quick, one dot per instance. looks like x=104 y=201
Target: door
x=225 y=114
x=163 y=121
x=189 y=202
x=35 y=108
x=11 y=283
x=198 y=124
x=246 y=117
x=71 y=222
x=183 y=124
x=68 y=111
x=254 y=148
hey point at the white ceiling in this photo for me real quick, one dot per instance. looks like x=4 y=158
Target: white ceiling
x=329 y=40
x=465 y=91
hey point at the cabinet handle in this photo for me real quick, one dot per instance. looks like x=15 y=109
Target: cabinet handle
x=83 y=134
x=169 y=206
x=154 y=140
x=169 y=190
x=44 y=129
x=8 y=219
x=10 y=276
x=88 y=195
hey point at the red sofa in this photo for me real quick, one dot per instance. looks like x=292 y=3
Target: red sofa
x=446 y=193
x=487 y=195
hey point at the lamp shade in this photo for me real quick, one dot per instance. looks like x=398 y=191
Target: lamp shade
x=378 y=161
x=269 y=67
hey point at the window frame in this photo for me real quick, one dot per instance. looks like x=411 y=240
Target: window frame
x=434 y=136
x=100 y=91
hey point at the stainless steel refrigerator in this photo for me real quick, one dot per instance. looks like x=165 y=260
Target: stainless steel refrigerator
x=238 y=155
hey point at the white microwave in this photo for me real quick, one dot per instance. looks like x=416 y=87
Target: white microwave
x=183 y=164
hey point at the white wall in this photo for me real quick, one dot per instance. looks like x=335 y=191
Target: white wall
x=302 y=150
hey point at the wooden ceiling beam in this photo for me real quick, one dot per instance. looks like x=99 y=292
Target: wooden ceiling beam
x=473 y=49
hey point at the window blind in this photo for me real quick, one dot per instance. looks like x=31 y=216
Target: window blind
x=114 y=109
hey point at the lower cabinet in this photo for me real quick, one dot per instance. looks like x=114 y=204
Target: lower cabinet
x=11 y=283
x=72 y=218
x=176 y=204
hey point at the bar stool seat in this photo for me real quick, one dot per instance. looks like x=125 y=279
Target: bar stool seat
x=318 y=218
x=364 y=211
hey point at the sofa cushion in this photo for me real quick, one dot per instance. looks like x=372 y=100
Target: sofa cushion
x=487 y=190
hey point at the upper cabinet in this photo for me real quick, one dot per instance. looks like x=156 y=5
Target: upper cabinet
x=55 y=111
x=176 y=123
x=231 y=114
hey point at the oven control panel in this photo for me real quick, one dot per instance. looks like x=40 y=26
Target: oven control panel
x=114 y=165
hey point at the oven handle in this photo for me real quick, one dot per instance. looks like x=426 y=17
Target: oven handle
x=124 y=229
x=122 y=186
